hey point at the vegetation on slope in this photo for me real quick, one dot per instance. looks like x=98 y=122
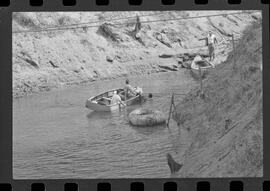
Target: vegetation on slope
x=226 y=125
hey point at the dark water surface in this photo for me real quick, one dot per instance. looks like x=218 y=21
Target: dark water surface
x=55 y=136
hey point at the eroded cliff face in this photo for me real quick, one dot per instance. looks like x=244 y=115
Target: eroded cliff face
x=108 y=49
x=226 y=125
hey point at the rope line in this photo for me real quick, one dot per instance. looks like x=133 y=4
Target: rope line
x=107 y=20
x=119 y=24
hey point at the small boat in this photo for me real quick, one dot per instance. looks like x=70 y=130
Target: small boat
x=200 y=67
x=102 y=102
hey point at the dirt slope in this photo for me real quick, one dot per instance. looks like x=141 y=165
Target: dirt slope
x=55 y=59
x=226 y=126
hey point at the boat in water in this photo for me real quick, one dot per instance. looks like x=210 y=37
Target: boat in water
x=102 y=102
x=200 y=67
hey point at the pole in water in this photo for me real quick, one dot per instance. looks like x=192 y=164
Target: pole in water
x=201 y=81
x=170 y=109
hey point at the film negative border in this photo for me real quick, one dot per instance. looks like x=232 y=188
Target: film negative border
x=39 y=3
x=6 y=3
x=6 y=181
x=200 y=185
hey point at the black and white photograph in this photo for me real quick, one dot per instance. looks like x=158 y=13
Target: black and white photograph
x=137 y=94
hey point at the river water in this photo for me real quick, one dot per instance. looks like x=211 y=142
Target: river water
x=55 y=136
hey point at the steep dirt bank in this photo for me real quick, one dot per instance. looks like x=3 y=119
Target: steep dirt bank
x=58 y=58
x=226 y=126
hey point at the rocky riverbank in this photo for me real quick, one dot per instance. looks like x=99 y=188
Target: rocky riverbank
x=45 y=59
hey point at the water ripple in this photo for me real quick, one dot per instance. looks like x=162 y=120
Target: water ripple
x=64 y=140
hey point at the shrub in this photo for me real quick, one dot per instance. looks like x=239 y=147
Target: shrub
x=64 y=20
x=24 y=20
x=106 y=31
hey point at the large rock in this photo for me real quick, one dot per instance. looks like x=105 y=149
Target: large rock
x=169 y=66
x=165 y=55
x=163 y=39
x=32 y=62
x=109 y=59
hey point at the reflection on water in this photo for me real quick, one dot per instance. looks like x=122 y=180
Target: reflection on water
x=55 y=136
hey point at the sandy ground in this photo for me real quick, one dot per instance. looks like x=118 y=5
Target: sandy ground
x=56 y=59
x=225 y=127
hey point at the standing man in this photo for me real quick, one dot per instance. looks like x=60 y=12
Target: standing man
x=211 y=41
x=116 y=99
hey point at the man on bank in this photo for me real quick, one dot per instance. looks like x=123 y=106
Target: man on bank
x=211 y=41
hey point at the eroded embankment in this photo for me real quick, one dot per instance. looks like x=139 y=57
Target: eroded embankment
x=55 y=58
x=226 y=126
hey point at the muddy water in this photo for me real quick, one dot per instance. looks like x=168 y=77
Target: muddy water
x=55 y=136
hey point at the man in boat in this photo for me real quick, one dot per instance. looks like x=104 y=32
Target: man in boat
x=129 y=90
x=116 y=99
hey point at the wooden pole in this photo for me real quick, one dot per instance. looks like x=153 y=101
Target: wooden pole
x=201 y=81
x=176 y=113
x=170 y=110
x=174 y=107
x=233 y=50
